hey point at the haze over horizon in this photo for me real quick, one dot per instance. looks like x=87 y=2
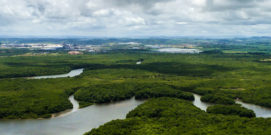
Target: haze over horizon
x=135 y=18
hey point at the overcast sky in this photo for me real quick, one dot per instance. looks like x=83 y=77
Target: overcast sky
x=130 y=18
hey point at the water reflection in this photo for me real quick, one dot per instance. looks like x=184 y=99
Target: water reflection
x=178 y=50
x=75 y=107
x=75 y=123
x=258 y=110
x=72 y=73
x=263 y=112
x=198 y=103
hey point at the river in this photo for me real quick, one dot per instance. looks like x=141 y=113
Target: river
x=198 y=103
x=74 y=123
x=75 y=107
x=72 y=73
x=78 y=121
x=70 y=122
x=262 y=112
x=178 y=50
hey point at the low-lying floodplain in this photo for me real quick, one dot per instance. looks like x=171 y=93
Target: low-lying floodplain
x=110 y=93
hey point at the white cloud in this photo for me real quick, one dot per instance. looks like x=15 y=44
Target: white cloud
x=132 y=17
x=181 y=23
x=102 y=12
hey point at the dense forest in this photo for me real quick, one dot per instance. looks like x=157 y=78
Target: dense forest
x=171 y=116
x=218 y=99
x=231 y=110
x=105 y=93
x=220 y=78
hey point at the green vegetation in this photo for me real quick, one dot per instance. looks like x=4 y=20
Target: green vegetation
x=226 y=70
x=20 y=98
x=158 y=90
x=219 y=77
x=11 y=52
x=105 y=93
x=242 y=76
x=218 y=99
x=231 y=110
x=170 y=116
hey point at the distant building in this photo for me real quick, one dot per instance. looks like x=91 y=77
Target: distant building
x=91 y=50
x=74 y=52
x=67 y=46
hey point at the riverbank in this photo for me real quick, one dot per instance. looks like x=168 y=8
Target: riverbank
x=175 y=116
x=75 y=107
x=72 y=73
x=73 y=123
x=235 y=76
x=44 y=99
x=261 y=112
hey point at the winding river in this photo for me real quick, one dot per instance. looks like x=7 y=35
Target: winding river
x=72 y=73
x=179 y=50
x=72 y=123
x=75 y=107
x=78 y=121
x=260 y=111
x=198 y=103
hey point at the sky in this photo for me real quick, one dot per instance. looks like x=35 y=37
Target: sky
x=135 y=18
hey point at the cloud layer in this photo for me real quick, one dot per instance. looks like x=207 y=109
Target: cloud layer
x=125 y=18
